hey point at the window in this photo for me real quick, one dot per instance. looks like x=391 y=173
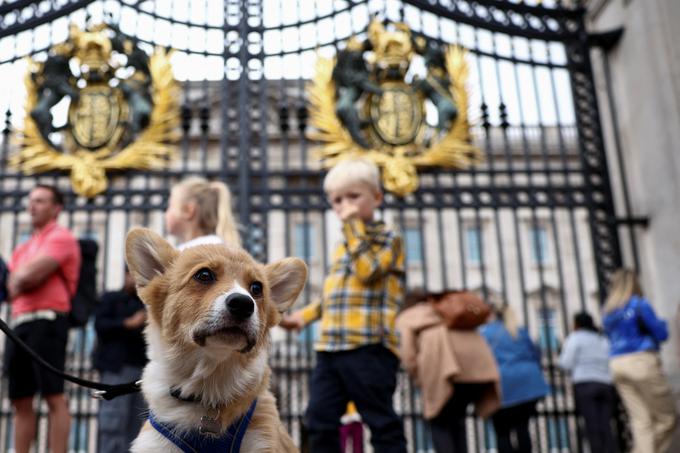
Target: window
x=473 y=245
x=254 y=240
x=414 y=246
x=538 y=236
x=303 y=240
x=547 y=335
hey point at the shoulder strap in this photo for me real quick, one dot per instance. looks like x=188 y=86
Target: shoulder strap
x=641 y=323
x=168 y=434
x=240 y=428
x=65 y=282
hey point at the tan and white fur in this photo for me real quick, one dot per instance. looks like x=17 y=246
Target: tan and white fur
x=199 y=343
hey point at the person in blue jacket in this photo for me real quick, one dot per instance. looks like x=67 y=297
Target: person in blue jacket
x=635 y=335
x=522 y=381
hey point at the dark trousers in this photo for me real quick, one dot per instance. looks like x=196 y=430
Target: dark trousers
x=448 y=427
x=121 y=418
x=514 y=420
x=367 y=376
x=595 y=403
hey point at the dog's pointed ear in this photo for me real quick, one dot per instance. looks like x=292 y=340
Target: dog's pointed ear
x=286 y=278
x=147 y=254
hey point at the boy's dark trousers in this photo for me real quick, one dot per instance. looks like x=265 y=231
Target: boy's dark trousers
x=367 y=376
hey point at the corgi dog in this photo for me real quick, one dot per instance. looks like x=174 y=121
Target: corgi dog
x=210 y=309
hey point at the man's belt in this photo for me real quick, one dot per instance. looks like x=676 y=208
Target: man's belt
x=49 y=315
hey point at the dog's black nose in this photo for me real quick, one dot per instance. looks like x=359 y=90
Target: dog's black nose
x=240 y=306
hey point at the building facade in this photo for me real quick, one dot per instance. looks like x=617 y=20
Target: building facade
x=637 y=69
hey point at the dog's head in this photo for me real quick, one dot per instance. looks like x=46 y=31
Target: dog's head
x=211 y=296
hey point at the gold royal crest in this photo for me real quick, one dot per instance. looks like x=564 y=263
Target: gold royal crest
x=120 y=116
x=362 y=105
x=97 y=117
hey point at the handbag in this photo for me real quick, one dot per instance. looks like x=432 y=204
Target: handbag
x=463 y=310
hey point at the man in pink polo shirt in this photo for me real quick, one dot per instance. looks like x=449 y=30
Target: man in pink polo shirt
x=43 y=276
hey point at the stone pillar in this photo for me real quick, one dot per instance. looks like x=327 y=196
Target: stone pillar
x=644 y=73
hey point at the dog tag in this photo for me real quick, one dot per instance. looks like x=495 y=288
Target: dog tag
x=210 y=426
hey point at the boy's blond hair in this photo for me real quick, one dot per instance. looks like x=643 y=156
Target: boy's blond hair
x=352 y=171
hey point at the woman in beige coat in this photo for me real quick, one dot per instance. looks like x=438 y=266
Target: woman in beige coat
x=453 y=368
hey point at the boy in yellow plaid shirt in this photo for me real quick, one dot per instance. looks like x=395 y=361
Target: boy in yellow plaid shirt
x=356 y=350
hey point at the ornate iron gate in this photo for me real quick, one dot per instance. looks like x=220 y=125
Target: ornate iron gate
x=532 y=225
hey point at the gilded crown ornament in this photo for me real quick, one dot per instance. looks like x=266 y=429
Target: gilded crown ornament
x=362 y=103
x=123 y=112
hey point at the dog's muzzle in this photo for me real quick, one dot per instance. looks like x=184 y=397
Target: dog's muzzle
x=236 y=320
x=239 y=306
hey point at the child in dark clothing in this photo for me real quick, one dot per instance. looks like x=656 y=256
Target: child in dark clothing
x=120 y=357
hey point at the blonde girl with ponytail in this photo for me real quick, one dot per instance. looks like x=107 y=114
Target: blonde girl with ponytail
x=199 y=212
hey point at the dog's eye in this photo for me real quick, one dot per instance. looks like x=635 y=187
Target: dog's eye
x=205 y=276
x=256 y=289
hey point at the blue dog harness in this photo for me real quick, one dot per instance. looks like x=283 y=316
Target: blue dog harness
x=195 y=442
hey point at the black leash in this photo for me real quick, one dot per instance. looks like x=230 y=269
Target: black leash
x=101 y=391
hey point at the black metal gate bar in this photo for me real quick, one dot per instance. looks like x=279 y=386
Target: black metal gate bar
x=605 y=239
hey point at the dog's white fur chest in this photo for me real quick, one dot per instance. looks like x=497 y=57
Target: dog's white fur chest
x=225 y=384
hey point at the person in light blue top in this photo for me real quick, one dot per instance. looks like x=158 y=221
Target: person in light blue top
x=585 y=354
x=522 y=381
x=635 y=334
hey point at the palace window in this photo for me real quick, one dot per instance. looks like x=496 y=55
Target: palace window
x=547 y=335
x=303 y=241
x=538 y=238
x=473 y=245
x=414 y=246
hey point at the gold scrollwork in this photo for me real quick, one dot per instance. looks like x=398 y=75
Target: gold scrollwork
x=97 y=117
x=398 y=148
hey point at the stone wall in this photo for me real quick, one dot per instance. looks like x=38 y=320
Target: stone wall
x=645 y=86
